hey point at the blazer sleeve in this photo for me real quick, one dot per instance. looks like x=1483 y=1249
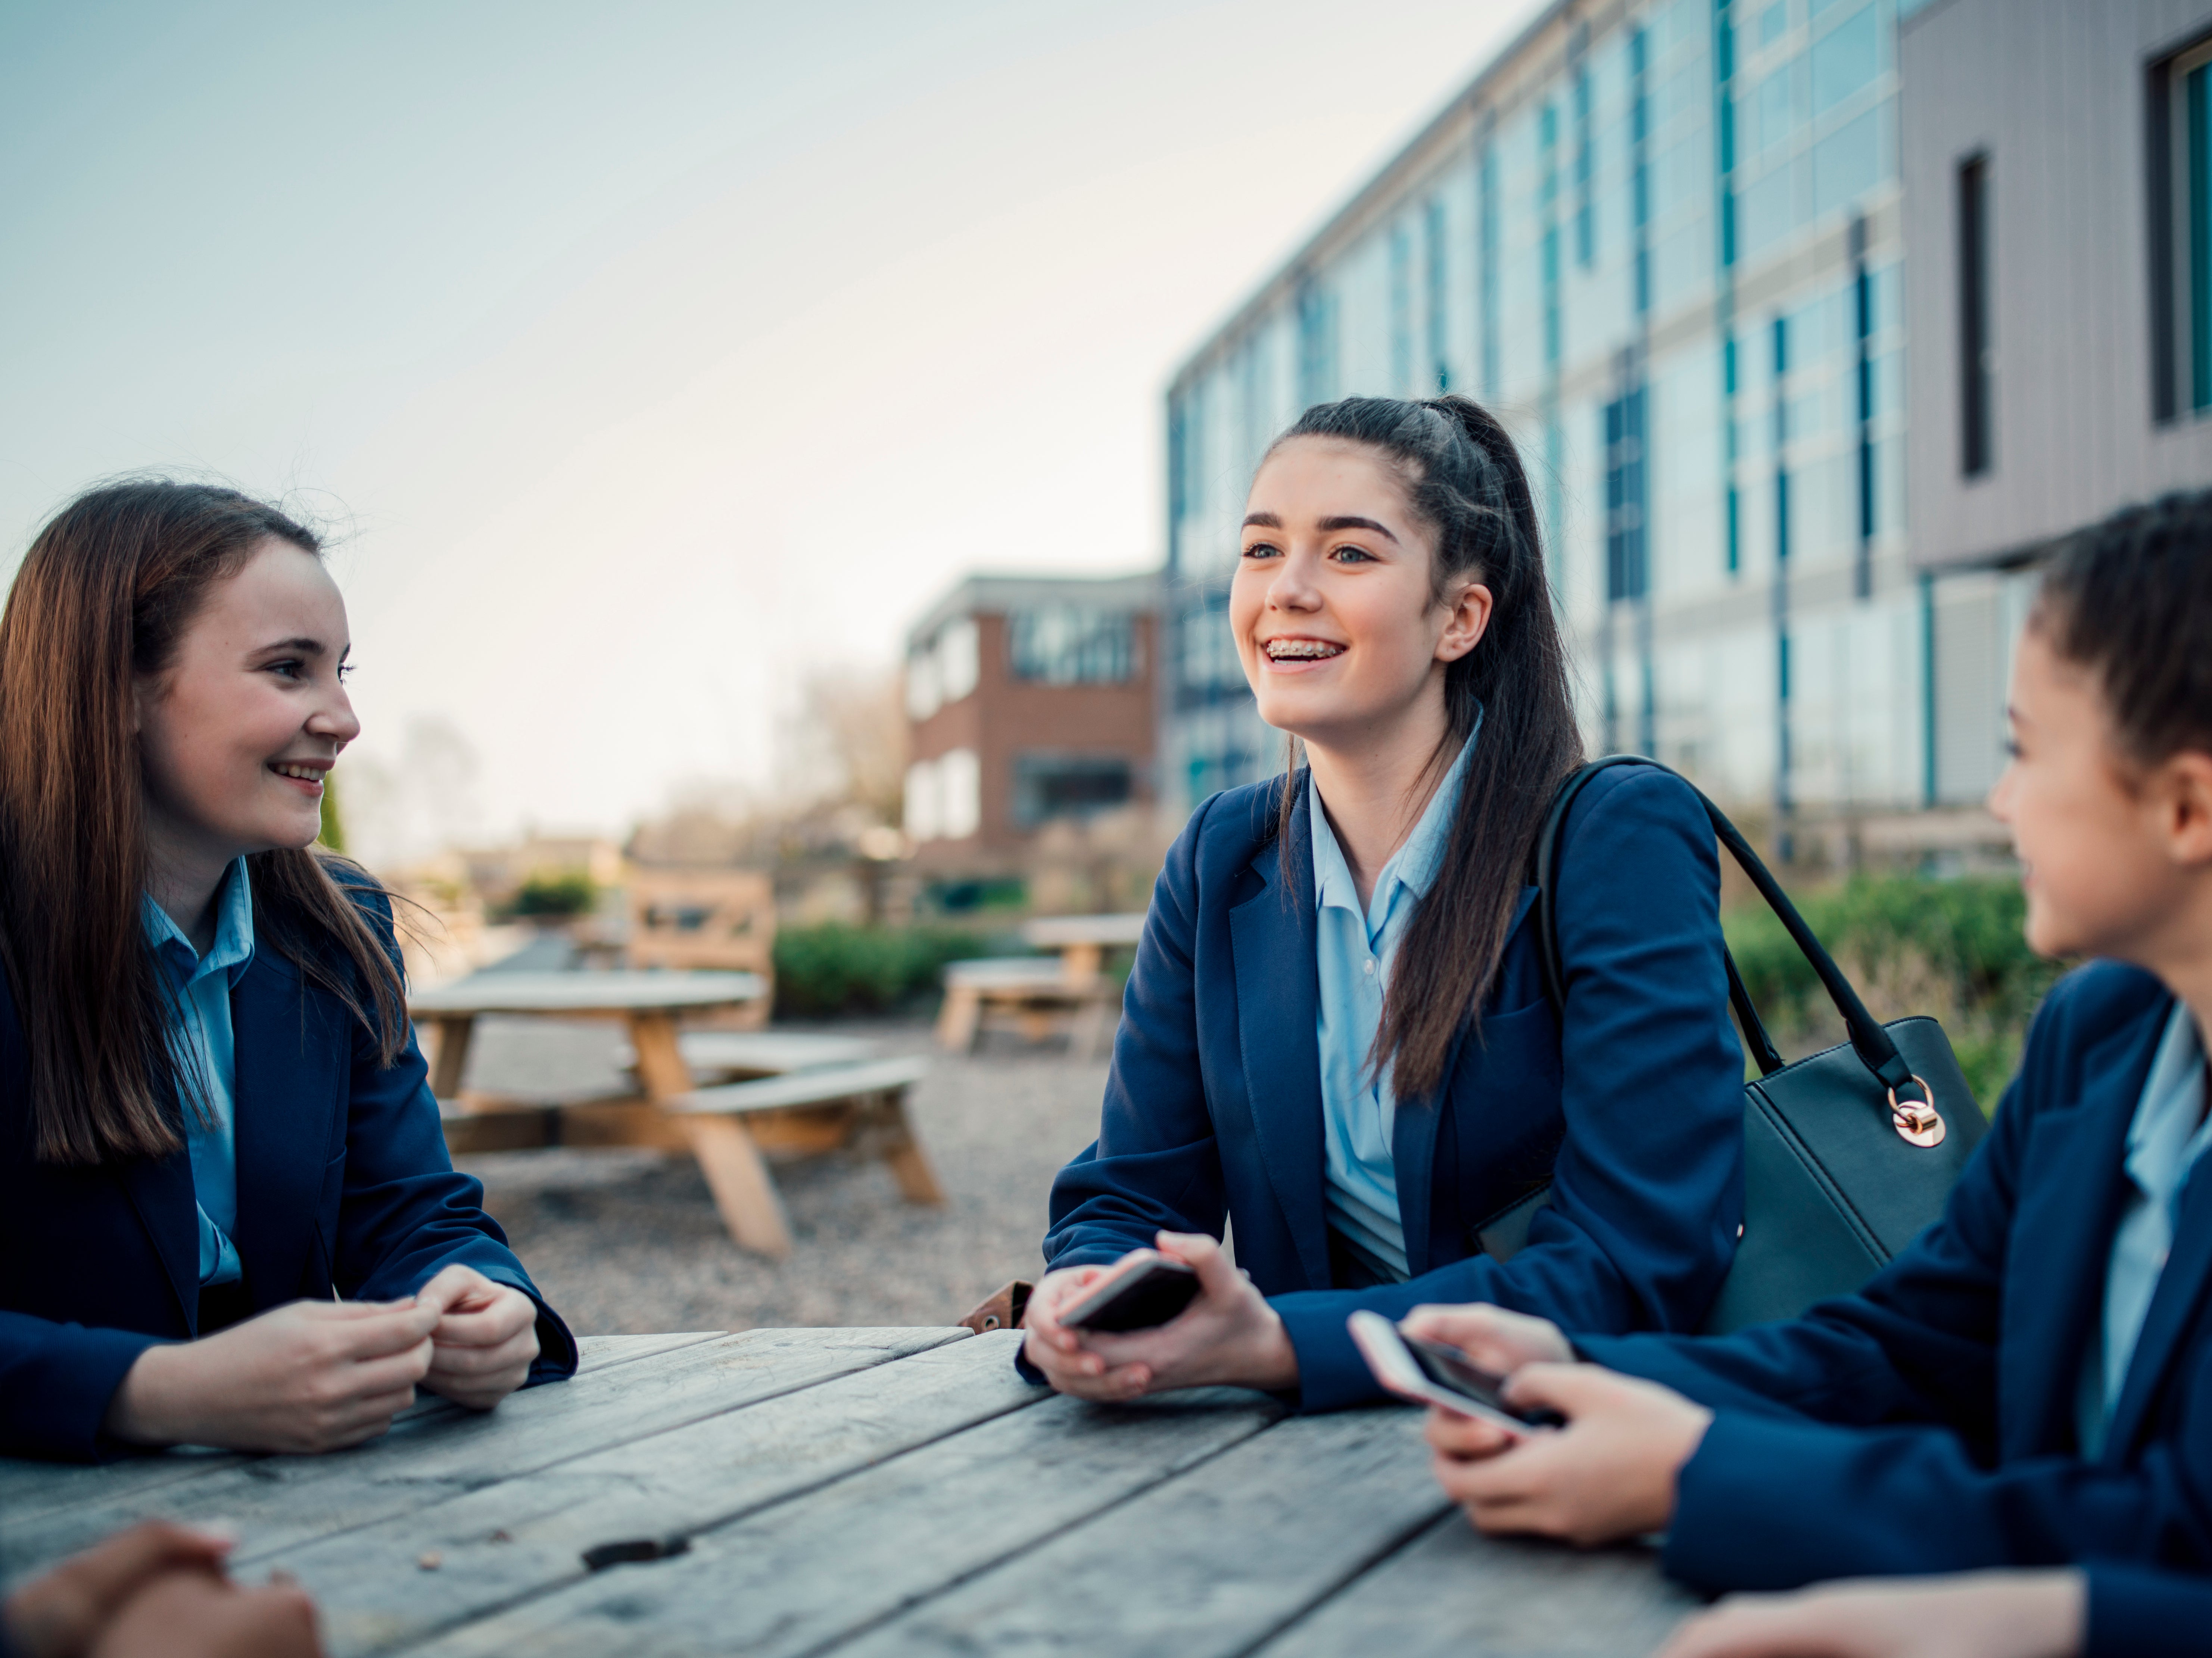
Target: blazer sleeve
x=57 y=1381
x=405 y=1213
x=1156 y=1165
x=2138 y=1613
x=1647 y=1193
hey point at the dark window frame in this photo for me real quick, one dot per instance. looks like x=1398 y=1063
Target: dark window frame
x=1977 y=439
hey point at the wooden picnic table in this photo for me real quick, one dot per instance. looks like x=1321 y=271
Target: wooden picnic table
x=649 y=1004
x=1084 y=940
x=727 y=1129
x=865 y=1492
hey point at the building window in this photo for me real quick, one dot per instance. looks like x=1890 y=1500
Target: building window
x=2180 y=156
x=943 y=670
x=1433 y=222
x=1066 y=645
x=1627 y=501
x=1316 y=347
x=944 y=796
x=1401 y=312
x=1975 y=452
x=1049 y=786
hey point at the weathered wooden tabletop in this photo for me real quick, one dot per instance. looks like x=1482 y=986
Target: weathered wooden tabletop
x=867 y=1491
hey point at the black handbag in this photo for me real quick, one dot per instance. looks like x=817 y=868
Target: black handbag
x=1848 y=1154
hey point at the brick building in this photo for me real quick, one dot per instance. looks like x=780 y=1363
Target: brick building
x=1029 y=698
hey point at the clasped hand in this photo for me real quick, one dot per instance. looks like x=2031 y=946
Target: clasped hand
x=1608 y=1474
x=1229 y=1336
x=310 y=1377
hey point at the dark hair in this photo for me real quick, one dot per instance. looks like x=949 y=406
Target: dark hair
x=103 y=598
x=1464 y=480
x=2130 y=599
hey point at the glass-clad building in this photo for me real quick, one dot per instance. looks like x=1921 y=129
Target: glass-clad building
x=1662 y=241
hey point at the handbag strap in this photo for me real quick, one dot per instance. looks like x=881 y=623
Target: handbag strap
x=1873 y=1044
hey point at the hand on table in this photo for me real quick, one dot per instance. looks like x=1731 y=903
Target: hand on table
x=1996 y=1614
x=1608 y=1474
x=305 y=1377
x=1229 y=1336
x=157 y=1591
x=485 y=1340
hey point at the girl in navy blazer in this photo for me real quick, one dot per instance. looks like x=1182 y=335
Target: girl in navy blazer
x=2030 y=1383
x=214 y=1120
x=1336 y=1040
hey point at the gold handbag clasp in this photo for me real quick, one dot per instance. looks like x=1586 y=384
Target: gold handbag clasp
x=1917 y=1120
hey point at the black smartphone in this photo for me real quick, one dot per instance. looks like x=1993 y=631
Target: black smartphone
x=1430 y=1372
x=1148 y=1291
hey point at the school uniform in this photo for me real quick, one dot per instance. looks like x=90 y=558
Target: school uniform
x=308 y=1171
x=1238 y=1096
x=2029 y=1383
x=2135 y=1613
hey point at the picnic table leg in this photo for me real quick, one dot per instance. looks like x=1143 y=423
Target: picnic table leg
x=957 y=1023
x=902 y=1149
x=1093 y=1031
x=744 y=1194
x=451 y=1053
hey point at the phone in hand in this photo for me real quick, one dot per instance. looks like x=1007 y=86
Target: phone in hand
x=1146 y=1289
x=1430 y=1372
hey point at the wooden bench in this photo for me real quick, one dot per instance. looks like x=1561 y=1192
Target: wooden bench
x=735 y=1055
x=831 y=1108
x=1034 y=992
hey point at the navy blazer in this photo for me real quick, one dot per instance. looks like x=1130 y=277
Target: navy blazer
x=1213 y=1108
x=343 y=1183
x=2134 y=1613
x=1926 y=1423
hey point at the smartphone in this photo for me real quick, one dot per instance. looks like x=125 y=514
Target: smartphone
x=1430 y=1372
x=1149 y=1290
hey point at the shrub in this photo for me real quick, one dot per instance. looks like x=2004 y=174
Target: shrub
x=555 y=896
x=1953 y=949
x=835 y=969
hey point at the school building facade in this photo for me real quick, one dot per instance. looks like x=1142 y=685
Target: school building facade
x=1667 y=241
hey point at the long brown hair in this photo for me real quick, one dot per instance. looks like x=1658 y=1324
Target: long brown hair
x=1464 y=480
x=103 y=598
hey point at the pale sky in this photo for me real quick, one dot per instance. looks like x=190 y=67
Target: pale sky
x=648 y=356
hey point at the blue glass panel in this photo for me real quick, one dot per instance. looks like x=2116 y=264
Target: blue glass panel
x=1845 y=59
x=1773 y=22
x=1766 y=208
x=1848 y=162
x=1771 y=111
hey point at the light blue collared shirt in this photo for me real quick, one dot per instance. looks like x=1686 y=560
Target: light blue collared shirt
x=1354 y=952
x=200 y=1037
x=2168 y=1134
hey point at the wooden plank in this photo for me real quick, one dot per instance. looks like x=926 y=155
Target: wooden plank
x=1211 y=1562
x=587 y=993
x=524 y=1537
x=283 y=1499
x=814 y=1087
x=29 y=1489
x=801 y=1576
x=1454 y=1593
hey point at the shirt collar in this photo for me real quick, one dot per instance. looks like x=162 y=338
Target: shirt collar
x=1413 y=865
x=2166 y=1135
x=233 y=949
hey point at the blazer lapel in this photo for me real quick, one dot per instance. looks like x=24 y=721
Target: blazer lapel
x=2181 y=1282
x=2072 y=1187
x=285 y=1094
x=160 y=1190
x=1278 y=1008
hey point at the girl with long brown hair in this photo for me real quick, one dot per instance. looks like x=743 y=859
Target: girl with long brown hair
x=1336 y=1041
x=227 y=1214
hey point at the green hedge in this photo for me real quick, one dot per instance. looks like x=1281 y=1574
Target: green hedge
x=1950 y=948
x=835 y=969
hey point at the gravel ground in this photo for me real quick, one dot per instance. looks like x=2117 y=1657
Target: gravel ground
x=628 y=1242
